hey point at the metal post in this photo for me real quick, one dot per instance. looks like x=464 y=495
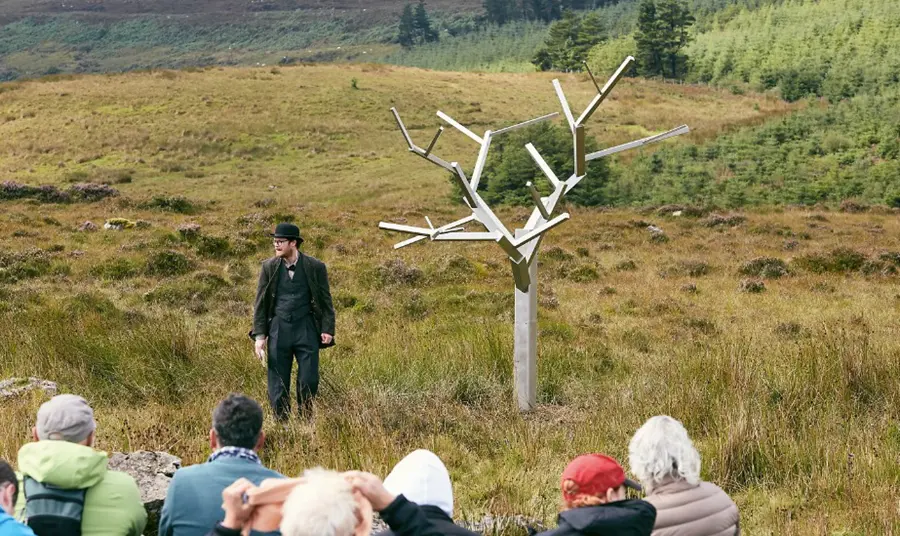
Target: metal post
x=525 y=348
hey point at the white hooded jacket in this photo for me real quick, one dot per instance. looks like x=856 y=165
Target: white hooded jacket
x=422 y=478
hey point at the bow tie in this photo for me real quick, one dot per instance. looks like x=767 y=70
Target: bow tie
x=292 y=267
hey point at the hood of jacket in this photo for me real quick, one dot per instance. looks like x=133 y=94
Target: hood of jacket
x=422 y=478
x=625 y=517
x=63 y=464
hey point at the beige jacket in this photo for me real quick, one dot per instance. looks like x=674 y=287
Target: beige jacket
x=683 y=509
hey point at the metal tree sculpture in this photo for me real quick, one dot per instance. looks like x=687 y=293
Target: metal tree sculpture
x=521 y=245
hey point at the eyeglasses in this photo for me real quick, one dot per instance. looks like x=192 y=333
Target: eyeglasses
x=279 y=242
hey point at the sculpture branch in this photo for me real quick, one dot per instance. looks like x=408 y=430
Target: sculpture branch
x=521 y=246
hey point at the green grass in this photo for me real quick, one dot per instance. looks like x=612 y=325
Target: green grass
x=790 y=394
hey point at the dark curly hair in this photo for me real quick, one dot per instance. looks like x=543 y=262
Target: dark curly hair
x=238 y=421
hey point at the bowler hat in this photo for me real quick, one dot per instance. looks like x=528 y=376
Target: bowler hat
x=287 y=230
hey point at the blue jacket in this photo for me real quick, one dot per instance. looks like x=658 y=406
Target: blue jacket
x=10 y=527
x=194 y=501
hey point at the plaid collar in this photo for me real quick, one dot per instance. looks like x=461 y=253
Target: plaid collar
x=235 y=452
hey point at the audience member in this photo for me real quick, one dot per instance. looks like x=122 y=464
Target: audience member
x=422 y=478
x=666 y=463
x=64 y=470
x=595 y=503
x=9 y=490
x=194 y=499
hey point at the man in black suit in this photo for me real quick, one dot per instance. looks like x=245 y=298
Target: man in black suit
x=293 y=317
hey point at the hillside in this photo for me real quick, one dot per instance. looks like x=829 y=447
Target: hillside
x=269 y=121
x=790 y=392
x=12 y=9
x=40 y=38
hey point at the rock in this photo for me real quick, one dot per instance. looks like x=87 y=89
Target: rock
x=87 y=227
x=14 y=387
x=657 y=235
x=153 y=472
x=502 y=524
x=117 y=224
x=487 y=525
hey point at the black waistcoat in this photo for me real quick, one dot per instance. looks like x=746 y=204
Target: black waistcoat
x=293 y=301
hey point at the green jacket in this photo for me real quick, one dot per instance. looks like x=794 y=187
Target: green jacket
x=112 y=505
x=267 y=290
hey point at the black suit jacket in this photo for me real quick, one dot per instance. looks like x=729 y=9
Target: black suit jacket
x=267 y=290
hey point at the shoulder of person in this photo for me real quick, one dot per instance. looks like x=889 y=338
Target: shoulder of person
x=314 y=262
x=119 y=479
x=196 y=470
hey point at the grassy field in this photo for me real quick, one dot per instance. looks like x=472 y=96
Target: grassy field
x=791 y=394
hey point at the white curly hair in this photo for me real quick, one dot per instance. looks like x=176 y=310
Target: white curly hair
x=323 y=506
x=661 y=450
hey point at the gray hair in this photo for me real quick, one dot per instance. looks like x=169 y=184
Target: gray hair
x=661 y=450
x=322 y=506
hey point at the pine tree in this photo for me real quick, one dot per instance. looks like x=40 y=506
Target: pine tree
x=569 y=41
x=674 y=20
x=423 y=31
x=406 y=35
x=510 y=167
x=648 y=41
x=591 y=32
x=499 y=11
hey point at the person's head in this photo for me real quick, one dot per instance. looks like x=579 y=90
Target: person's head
x=324 y=505
x=661 y=450
x=422 y=478
x=9 y=488
x=286 y=239
x=592 y=480
x=65 y=418
x=237 y=422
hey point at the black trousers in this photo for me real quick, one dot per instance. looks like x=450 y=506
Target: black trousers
x=287 y=341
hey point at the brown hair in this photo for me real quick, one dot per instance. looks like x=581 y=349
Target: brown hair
x=8 y=476
x=573 y=498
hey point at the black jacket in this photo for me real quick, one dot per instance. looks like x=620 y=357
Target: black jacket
x=621 y=518
x=440 y=521
x=267 y=290
x=407 y=518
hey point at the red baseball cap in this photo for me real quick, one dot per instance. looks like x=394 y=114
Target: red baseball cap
x=594 y=474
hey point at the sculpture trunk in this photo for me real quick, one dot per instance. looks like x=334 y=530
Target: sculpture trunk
x=525 y=344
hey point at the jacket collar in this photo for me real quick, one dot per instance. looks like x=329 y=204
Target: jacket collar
x=673 y=485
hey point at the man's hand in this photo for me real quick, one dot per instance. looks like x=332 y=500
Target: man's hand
x=326 y=338
x=261 y=349
x=371 y=487
x=236 y=511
